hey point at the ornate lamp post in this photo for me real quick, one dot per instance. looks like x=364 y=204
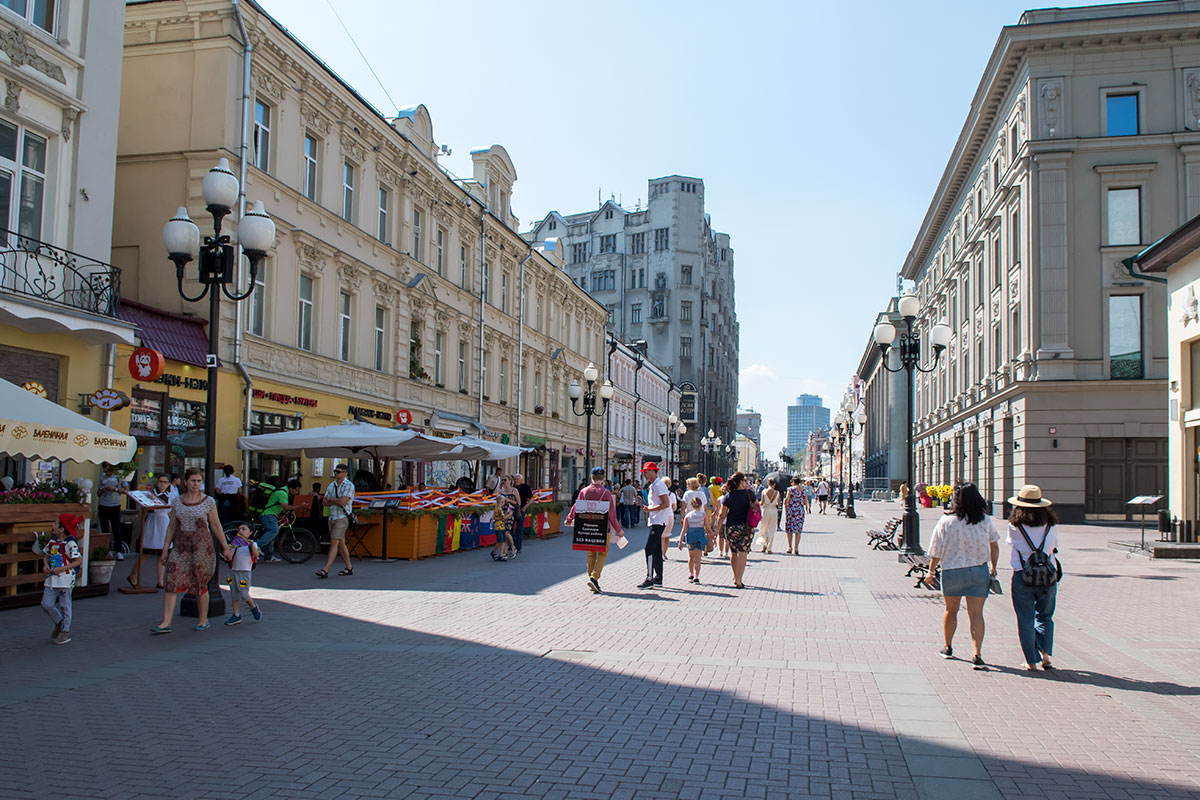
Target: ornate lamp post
x=181 y=237
x=731 y=448
x=574 y=391
x=670 y=433
x=910 y=356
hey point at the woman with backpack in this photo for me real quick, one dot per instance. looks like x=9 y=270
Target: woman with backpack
x=1036 y=573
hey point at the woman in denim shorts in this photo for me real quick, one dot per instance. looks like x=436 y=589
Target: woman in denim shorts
x=967 y=546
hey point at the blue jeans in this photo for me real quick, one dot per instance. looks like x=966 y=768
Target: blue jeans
x=270 y=531
x=1035 y=618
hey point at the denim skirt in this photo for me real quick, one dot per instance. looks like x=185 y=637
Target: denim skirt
x=966 y=581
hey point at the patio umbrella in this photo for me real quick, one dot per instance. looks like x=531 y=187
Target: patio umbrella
x=354 y=439
x=495 y=450
x=34 y=427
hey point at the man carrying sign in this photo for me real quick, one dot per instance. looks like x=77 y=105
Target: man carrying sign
x=593 y=516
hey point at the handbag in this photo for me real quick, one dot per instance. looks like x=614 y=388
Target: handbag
x=754 y=516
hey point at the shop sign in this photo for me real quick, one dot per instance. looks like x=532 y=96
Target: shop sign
x=504 y=438
x=170 y=379
x=687 y=407
x=535 y=439
x=108 y=399
x=285 y=399
x=33 y=387
x=368 y=413
x=147 y=364
x=404 y=416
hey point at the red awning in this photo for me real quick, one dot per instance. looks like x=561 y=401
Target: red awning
x=176 y=336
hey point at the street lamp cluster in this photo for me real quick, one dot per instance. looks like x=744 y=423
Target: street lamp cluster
x=715 y=452
x=844 y=423
x=909 y=347
x=575 y=392
x=671 y=433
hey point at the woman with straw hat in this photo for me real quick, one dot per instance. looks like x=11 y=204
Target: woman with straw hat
x=1032 y=538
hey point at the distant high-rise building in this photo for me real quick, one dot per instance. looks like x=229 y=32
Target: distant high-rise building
x=808 y=414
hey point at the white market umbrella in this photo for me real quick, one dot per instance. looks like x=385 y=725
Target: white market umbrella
x=34 y=427
x=353 y=439
x=495 y=450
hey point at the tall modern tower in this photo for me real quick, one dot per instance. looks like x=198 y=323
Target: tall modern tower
x=808 y=414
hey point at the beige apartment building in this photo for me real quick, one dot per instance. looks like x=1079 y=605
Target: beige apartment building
x=392 y=288
x=1081 y=147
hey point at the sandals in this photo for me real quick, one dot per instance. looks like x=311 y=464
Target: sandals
x=159 y=630
x=321 y=573
x=347 y=571
x=129 y=580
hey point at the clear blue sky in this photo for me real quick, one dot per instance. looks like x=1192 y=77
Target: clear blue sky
x=820 y=130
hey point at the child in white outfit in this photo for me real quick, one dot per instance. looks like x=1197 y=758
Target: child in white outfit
x=245 y=554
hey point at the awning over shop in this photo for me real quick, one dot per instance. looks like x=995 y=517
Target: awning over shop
x=35 y=427
x=175 y=336
x=447 y=416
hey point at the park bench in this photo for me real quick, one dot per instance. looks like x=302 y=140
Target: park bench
x=885 y=539
x=919 y=566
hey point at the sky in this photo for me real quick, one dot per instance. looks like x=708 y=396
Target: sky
x=820 y=131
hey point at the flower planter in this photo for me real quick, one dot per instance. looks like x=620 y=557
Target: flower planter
x=100 y=572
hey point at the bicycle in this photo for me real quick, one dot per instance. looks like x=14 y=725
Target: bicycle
x=294 y=544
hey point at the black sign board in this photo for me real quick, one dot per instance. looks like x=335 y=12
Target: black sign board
x=688 y=402
x=591 y=526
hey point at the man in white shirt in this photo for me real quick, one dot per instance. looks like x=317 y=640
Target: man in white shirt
x=822 y=494
x=229 y=486
x=658 y=514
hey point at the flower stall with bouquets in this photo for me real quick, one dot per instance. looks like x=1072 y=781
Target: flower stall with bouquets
x=939 y=494
x=436 y=522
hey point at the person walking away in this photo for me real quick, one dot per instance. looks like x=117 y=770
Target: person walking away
x=966 y=546
x=60 y=561
x=822 y=495
x=315 y=521
x=598 y=492
x=735 y=509
x=192 y=561
x=715 y=492
x=339 y=499
x=794 y=511
x=629 y=499
x=108 y=506
x=229 y=487
x=1036 y=573
x=666 y=537
x=769 y=524
x=658 y=513
x=507 y=501
x=694 y=535
x=526 y=496
x=278 y=501
x=241 y=565
x=694 y=490
x=154 y=529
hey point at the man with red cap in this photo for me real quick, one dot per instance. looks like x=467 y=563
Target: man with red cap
x=658 y=513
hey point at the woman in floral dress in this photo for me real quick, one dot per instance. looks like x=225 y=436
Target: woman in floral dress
x=190 y=564
x=793 y=514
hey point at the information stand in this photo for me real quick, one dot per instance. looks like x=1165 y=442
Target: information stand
x=385 y=506
x=1144 y=500
x=146 y=501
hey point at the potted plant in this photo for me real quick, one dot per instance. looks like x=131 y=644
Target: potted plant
x=554 y=414
x=100 y=565
x=538 y=409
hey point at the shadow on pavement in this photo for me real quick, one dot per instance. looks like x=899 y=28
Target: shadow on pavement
x=1103 y=681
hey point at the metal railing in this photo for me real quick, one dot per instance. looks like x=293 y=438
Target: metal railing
x=43 y=271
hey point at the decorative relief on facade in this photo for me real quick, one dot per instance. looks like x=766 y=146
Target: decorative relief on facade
x=12 y=95
x=978 y=322
x=1191 y=308
x=20 y=52
x=314 y=118
x=352 y=150
x=1050 y=107
x=417 y=304
x=1120 y=272
x=310 y=256
x=995 y=305
x=441 y=321
x=385 y=292
x=388 y=175
x=350 y=275
x=465 y=328
x=268 y=85
x=1191 y=79
x=1014 y=287
x=69 y=115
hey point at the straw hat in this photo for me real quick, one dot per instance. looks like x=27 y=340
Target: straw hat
x=1030 y=496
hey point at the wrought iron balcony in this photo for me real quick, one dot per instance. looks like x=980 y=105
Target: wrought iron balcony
x=43 y=271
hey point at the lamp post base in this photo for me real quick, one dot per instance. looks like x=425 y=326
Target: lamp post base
x=912 y=533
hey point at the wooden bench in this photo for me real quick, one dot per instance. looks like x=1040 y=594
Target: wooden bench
x=919 y=566
x=885 y=539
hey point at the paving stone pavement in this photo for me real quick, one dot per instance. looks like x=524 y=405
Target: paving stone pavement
x=457 y=677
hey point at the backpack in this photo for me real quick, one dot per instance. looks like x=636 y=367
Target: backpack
x=1041 y=570
x=260 y=497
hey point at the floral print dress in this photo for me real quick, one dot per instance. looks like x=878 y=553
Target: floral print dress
x=793 y=510
x=193 y=558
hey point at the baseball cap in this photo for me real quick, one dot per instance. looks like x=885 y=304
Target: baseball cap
x=597 y=470
x=650 y=465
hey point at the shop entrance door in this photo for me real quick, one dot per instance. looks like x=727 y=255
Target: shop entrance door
x=1117 y=469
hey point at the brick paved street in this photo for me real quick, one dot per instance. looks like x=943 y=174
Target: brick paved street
x=460 y=678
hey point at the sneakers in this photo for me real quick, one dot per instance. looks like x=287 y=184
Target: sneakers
x=594 y=585
x=62 y=638
x=646 y=584
x=946 y=652
x=57 y=630
x=234 y=619
x=254 y=612
x=205 y=626
x=977 y=663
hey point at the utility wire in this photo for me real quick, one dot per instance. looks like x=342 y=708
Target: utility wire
x=395 y=105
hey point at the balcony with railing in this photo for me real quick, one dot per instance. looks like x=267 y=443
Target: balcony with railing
x=56 y=275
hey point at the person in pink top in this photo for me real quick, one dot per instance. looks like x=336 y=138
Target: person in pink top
x=597 y=491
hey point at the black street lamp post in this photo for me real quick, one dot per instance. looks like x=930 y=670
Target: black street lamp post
x=181 y=237
x=711 y=445
x=671 y=433
x=575 y=391
x=846 y=425
x=910 y=356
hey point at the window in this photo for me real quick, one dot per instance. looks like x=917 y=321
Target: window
x=305 y=316
x=608 y=214
x=997 y=347
x=996 y=173
x=485 y=283
x=440 y=252
x=1124 y=216
x=635 y=314
x=662 y=238
x=579 y=253
x=503 y=380
x=612 y=312
x=417 y=252
x=24 y=181
x=604 y=280
x=685 y=347
x=255 y=322
x=380 y=316
x=344 y=326
x=685 y=311
x=685 y=275
x=439 y=340
x=1121 y=114
x=1013 y=144
x=608 y=244
x=553 y=225
x=415 y=370
x=384 y=204
x=463 y=258
x=1014 y=335
x=997 y=263
x=637 y=244
x=262 y=135
x=1125 y=336
x=462 y=366
x=504 y=292
x=348 y=191
x=310 y=167
x=39 y=12
x=1014 y=230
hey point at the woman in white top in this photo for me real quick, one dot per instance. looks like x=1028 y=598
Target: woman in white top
x=768 y=526
x=666 y=534
x=1034 y=606
x=694 y=490
x=963 y=543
